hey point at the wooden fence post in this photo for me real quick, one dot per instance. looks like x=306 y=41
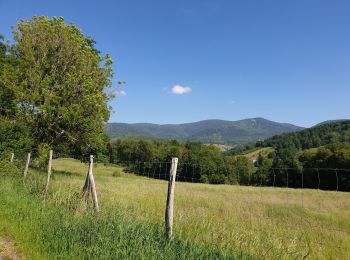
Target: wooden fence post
x=48 y=172
x=27 y=166
x=12 y=157
x=90 y=183
x=86 y=188
x=169 y=212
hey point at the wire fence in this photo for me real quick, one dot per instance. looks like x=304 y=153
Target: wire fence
x=290 y=205
x=334 y=179
x=295 y=212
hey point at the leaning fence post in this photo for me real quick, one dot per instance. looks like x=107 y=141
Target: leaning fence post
x=86 y=188
x=48 y=172
x=12 y=157
x=92 y=184
x=169 y=213
x=27 y=166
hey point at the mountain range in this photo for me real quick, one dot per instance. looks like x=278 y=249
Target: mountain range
x=207 y=131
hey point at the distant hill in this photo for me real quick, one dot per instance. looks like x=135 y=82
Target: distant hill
x=330 y=132
x=332 y=121
x=207 y=131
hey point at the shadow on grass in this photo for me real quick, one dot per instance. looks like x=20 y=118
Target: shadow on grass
x=65 y=173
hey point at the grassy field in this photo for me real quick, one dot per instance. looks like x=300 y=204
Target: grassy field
x=255 y=154
x=211 y=221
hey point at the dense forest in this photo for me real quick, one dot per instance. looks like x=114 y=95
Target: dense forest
x=314 y=151
x=197 y=162
x=334 y=132
x=203 y=163
x=323 y=146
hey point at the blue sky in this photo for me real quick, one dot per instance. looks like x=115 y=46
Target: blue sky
x=287 y=61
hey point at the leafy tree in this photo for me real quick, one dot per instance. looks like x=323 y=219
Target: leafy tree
x=14 y=137
x=263 y=174
x=61 y=81
x=240 y=170
x=7 y=81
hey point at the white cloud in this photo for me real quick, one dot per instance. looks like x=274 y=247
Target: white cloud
x=120 y=93
x=179 y=90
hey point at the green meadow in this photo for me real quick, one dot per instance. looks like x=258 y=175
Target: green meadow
x=210 y=221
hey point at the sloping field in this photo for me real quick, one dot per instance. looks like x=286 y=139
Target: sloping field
x=230 y=221
x=257 y=221
x=255 y=154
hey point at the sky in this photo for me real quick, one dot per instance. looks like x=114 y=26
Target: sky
x=190 y=60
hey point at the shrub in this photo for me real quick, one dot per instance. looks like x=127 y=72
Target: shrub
x=8 y=169
x=42 y=156
x=14 y=137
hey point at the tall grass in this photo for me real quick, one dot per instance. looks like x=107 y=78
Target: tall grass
x=211 y=221
x=262 y=222
x=57 y=227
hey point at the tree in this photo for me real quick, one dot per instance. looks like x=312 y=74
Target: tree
x=62 y=80
x=7 y=79
x=14 y=137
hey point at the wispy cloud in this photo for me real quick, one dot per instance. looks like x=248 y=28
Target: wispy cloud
x=120 y=93
x=180 y=90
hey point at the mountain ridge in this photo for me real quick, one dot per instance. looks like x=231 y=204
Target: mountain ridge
x=207 y=131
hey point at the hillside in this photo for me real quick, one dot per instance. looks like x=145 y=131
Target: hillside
x=331 y=121
x=322 y=134
x=207 y=131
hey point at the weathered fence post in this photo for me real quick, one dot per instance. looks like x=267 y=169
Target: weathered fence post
x=90 y=183
x=48 y=172
x=27 y=166
x=86 y=188
x=169 y=212
x=12 y=157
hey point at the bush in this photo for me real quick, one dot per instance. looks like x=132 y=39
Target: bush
x=42 y=156
x=14 y=137
x=8 y=169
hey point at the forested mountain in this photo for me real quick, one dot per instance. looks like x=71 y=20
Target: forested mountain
x=321 y=152
x=332 y=121
x=323 y=134
x=208 y=131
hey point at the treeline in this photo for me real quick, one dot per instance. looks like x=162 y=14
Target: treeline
x=337 y=132
x=206 y=164
x=197 y=162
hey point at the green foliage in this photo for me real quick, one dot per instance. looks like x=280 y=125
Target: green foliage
x=333 y=156
x=241 y=149
x=198 y=162
x=42 y=156
x=312 y=137
x=54 y=80
x=8 y=90
x=309 y=157
x=240 y=169
x=14 y=137
x=8 y=169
